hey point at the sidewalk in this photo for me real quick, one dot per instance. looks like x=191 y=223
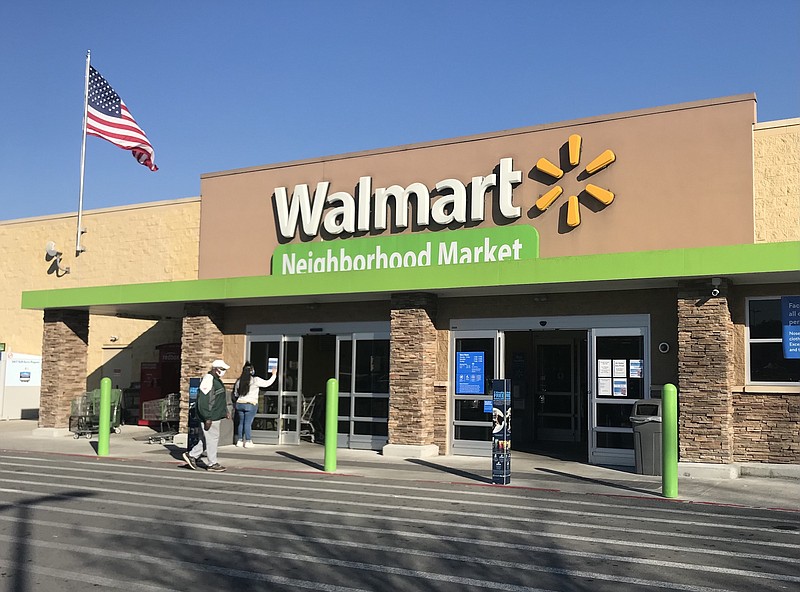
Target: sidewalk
x=782 y=490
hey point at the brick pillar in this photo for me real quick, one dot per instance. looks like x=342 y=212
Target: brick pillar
x=65 y=343
x=705 y=374
x=412 y=399
x=201 y=344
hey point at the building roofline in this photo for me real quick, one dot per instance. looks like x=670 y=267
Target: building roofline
x=490 y=135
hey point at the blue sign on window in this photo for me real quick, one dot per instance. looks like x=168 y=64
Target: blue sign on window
x=790 y=319
x=469 y=373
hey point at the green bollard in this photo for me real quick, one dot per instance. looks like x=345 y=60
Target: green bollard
x=331 y=423
x=104 y=425
x=669 y=441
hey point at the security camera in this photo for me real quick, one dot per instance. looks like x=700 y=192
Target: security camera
x=715 y=282
x=543 y=323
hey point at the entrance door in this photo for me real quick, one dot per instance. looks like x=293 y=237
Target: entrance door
x=476 y=355
x=618 y=377
x=277 y=419
x=556 y=406
x=363 y=374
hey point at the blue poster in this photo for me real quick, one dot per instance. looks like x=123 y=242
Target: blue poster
x=470 y=373
x=790 y=319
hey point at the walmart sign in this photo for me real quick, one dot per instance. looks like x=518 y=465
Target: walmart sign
x=462 y=247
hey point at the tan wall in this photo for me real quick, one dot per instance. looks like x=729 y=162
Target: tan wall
x=148 y=242
x=686 y=167
x=776 y=161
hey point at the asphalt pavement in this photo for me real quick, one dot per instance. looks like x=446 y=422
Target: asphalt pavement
x=771 y=486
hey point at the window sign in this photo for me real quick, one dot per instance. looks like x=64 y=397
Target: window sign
x=635 y=369
x=620 y=387
x=470 y=369
x=23 y=370
x=790 y=318
x=620 y=368
x=604 y=368
x=603 y=387
x=773 y=340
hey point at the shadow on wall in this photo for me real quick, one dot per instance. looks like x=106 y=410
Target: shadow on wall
x=123 y=364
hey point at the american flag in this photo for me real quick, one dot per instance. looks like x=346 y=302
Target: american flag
x=107 y=117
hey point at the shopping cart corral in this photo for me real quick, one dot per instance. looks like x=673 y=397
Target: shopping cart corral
x=165 y=413
x=84 y=418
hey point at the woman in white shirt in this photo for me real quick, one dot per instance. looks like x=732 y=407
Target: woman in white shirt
x=245 y=392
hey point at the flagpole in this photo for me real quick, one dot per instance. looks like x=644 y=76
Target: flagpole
x=78 y=248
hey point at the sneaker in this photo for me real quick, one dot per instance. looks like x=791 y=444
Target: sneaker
x=249 y=444
x=217 y=468
x=191 y=461
x=238 y=443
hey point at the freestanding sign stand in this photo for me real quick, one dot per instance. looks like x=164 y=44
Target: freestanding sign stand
x=194 y=420
x=501 y=431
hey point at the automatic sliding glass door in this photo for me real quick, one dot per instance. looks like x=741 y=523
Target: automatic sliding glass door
x=277 y=420
x=475 y=360
x=618 y=380
x=362 y=369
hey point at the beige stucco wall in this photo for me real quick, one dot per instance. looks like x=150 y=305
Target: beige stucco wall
x=776 y=163
x=148 y=242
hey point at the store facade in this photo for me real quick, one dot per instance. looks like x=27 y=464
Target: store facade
x=590 y=262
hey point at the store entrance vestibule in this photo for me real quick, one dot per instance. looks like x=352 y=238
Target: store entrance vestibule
x=573 y=382
x=549 y=391
x=293 y=407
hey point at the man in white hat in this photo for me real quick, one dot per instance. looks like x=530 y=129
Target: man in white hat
x=212 y=407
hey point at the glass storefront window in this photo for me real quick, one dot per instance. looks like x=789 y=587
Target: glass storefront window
x=345 y=373
x=372 y=366
x=371 y=407
x=363 y=372
x=471 y=432
x=471 y=410
x=370 y=428
x=765 y=357
x=614 y=440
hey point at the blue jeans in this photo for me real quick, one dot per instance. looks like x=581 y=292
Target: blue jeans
x=246 y=413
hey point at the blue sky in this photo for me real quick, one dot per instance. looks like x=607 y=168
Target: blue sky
x=223 y=85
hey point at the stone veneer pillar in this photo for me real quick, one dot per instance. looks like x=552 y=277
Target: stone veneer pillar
x=412 y=399
x=65 y=343
x=201 y=344
x=705 y=374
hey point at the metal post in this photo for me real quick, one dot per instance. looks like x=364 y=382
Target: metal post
x=78 y=248
x=669 y=441
x=331 y=423
x=104 y=424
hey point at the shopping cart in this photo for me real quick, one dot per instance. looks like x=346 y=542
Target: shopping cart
x=165 y=412
x=84 y=418
x=307 y=418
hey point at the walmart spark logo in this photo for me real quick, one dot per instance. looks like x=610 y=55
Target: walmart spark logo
x=604 y=196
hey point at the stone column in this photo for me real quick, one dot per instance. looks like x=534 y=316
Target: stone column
x=201 y=343
x=65 y=343
x=705 y=374
x=412 y=399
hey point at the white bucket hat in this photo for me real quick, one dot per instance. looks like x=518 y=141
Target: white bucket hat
x=219 y=364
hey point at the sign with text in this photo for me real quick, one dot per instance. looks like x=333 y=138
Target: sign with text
x=501 y=431
x=470 y=373
x=790 y=319
x=405 y=251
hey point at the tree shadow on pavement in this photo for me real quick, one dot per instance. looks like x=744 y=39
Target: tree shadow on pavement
x=22 y=557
